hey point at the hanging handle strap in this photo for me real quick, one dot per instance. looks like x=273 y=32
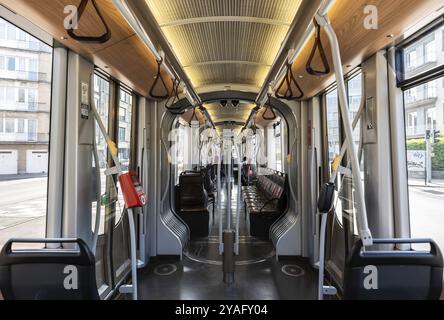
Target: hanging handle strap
x=289 y=80
x=174 y=98
x=269 y=109
x=160 y=79
x=318 y=45
x=90 y=39
x=194 y=116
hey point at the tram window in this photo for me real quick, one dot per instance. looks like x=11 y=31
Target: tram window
x=333 y=125
x=333 y=136
x=424 y=124
x=423 y=54
x=279 y=142
x=124 y=138
x=101 y=97
x=274 y=146
x=180 y=136
x=24 y=137
x=354 y=100
x=354 y=87
x=124 y=141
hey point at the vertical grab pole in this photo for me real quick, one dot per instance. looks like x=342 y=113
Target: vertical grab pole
x=228 y=149
x=219 y=198
x=361 y=216
x=133 y=253
x=322 y=256
x=239 y=190
x=228 y=265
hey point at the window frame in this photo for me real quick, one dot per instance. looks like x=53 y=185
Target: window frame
x=431 y=74
x=10 y=20
x=327 y=173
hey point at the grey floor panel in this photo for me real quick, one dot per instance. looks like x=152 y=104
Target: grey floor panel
x=200 y=281
x=199 y=275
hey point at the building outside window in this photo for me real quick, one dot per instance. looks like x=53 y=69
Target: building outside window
x=122 y=134
x=125 y=115
x=430 y=51
x=25 y=96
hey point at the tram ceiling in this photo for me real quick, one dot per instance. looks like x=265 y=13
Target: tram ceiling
x=225 y=42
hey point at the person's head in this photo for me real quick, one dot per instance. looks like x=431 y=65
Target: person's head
x=244 y=159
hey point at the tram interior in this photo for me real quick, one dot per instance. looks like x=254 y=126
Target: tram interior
x=221 y=149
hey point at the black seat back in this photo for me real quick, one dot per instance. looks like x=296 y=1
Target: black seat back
x=192 y=192
x=48 y=274
x=326 y=198
x=395 y=274
x=208 y=183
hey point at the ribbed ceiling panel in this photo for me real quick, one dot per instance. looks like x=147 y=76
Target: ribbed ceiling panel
x=225 y=41
x=238 y=114
x=215 y=41
x=174 y=10
x=227 y=73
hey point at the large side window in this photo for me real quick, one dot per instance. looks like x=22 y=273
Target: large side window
x=334 y=141
x=101 y=100
x=424 y=123
x=354 y=88
x=24 y=133
x=333 y=128
x=124 y=134
x=344 y=184
x=124 y=140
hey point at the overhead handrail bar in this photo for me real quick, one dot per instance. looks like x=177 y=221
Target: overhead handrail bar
x=89 y=39
x=318 y=44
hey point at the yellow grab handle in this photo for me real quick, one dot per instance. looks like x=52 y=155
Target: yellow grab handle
x=112 y=147
x=336 y=163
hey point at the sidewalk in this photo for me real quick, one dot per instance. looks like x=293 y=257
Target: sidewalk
x=436 y=183
x=9 y=177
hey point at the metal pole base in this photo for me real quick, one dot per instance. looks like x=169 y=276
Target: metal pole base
x=228 y=277
x=229 y=257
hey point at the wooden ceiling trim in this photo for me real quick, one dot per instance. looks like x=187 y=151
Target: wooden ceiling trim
x=124 y=56
x=357 y=43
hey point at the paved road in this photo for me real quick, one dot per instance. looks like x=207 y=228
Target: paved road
x=22 y=208
x=427 y=213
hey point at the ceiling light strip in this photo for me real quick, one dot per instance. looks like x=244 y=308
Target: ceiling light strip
x=207 y=63
x=209 y=19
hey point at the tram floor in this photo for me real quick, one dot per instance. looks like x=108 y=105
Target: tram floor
x=286 y=279
x=258 y=275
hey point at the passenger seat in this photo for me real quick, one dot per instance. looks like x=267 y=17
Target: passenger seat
x=193 y=202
